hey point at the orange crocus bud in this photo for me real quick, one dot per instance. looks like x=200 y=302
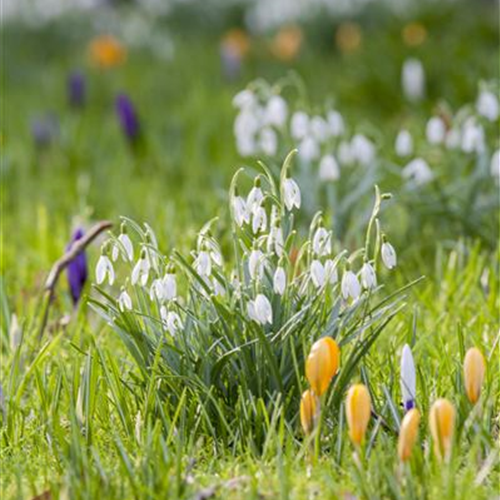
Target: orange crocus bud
x=474 y=369
x=107 y=52
x=322 y=364
x=309 y=407
x=442 y=425
x=358 y=411
x=408 y=434
x=287 y=42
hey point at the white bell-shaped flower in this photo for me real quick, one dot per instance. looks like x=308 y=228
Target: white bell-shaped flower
x=322 y=242
x=336 y=123
x=169 y=286
x=319 y=128
x=126 y=242
x=308 y=149
x=259 y=219
x=345 y=154
x=487 y=105
x=472 y=136
x=203 y=264
x=350 y=285
x=435 y=130
x=276 y=111
x=404 y=143
x=368 y=276
x=299 y=125
x=241 y=212
x=255 y=196
x=418 y=172
x=244 y=99
x=329 y=168
x=291 y=194
x=331 y=272
x=413 y=79
x=362 y=149
x=268 y=141
x=171 y=320
x=388 y=253
x=140 y=273
x=275 y=242
x=260 y=310
x=156 y=291
x=124 y=301
x=104 y=269
x=256 y=263
x=408 y=378
x=495 y=164
x=318 y=273
x=279 y=281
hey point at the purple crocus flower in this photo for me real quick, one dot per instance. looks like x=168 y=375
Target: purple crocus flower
x=77 y=269
x=76 y=89
x=127 y=117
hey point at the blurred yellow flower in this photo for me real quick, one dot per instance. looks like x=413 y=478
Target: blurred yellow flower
x=414 y=34
x=358 y=411
x=349 y=37
x=237 y=42
x=309 y=406
x=107 y=52
x=287 y=42
x=442 y=425
x=474 y=369
x=322 y=364
x=408 y=434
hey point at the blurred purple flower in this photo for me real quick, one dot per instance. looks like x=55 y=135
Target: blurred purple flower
x=231 y=63
x=77 y=269
x=76 y=89
x=44 y=129
x=127 y=117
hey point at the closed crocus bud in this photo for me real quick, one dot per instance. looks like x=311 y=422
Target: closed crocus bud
x=474 y=369
x=442 y=426
x=322 y=364
x=408 y=384
x=408 y=434
x=77 y=269
x=127 y=117
x=309 y=406
x=358 y=411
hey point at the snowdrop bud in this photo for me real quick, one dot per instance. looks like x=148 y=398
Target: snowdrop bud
x=408 y=434
x=487 y=105
x=413 y=79
x=124 y=301
x=404 y=143
x=308 y=149
x=329 y=169
x=418 y=172
x=368 y=276
x=408 y=378
x=276 y=111
x=268 y=141
x=435 y=130
x=322 y=364
x=336 y=123
x=291 y=194
x=126 y=242
x=358 y=412
x=299 y=125
x=495 y=164
x=362 y=149
x=319 y=128
x=104 y=269
x=318 y=274
x=442 y=426
x=279 y=281
x=309 y=409
x=350 y=285
x=474 y=370
x=322 y=242
x=260 y=310
x=388 y=253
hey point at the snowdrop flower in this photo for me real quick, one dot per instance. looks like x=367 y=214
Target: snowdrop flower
x=322 y=242
x=388 y=253
x=104 y=269
x=156 y=290
x=203 y=264
x=256 y=264
x=260 y=310
x=170 y=285
x=368 y=276
x=362 y=149
x=124 y=301
x=472 y=136
x=255 y=196
x=435 y=130
x=404 y=143
x=275 y=240
x=126 y=243
x=291 y=194
x=299 y=125
x=487 y=105
x=413 y=79
x=279 y=281
x=217 y=287
x=336 y=123
x=240 y=210
x=276 y=111
x=328 y=168
x=453 y=139
x=418 y=171
x=318 y=274
x=350 y=285
x=246 y=146
x=259 y=219
x=244 y=99
x=171 y=320
x=408 y=378
x=140 y=273
x=268 y=141
x=345 y=153
x=495 y=164
x=331 y=272
x=308 y=149
x=319 y=128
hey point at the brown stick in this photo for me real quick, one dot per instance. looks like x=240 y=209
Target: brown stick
x=77 y=247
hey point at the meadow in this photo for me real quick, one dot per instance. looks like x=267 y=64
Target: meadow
x=174 y=358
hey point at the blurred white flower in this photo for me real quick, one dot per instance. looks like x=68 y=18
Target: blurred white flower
x=279 y=281
x=240 y=209
x=260 y=310
x=244 y=99
x=268 y=141
x=104 y=269
x=453 y=138
x=299 y=125
x=124 y=239
x=319 y=128
x=140 y=273
x=259 y=219
x=368 y=276
x=435 y=130
x=350 y=285
x=472 y=136
x=203 y=264
x=408 y=378
x=495 y=164
x=404 y=143
x=418 y=171
x=487 y=105
x=345 y=154
x=171 y=320
x=246 y=145
x=413 y=79
x=318 y=273
x=331 y=272
x=322 y=242
x=256 y=264
x=276 y=111
x=275 y=240
x=156 y=290
x=169 y=286
x=255 y=196
x=308 y=149
x=291 y=194
x=389 y=257
x=329 y=168
x=124 y=301
x=336 y=123
x=362 y=149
